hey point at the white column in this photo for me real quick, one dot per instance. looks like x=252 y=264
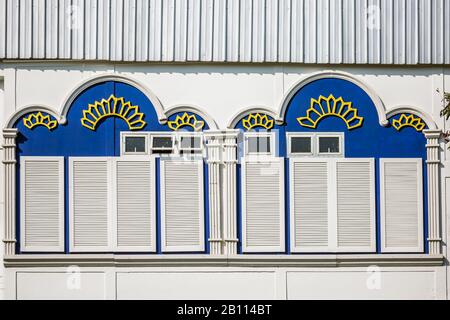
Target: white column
x=229 y=187
x=433 y=163
x=9 y=161
x=214 y=159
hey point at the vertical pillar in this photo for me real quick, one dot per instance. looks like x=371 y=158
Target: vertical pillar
x=9 y=161
x=214 y=149
x=433 y=162
x=229 y=187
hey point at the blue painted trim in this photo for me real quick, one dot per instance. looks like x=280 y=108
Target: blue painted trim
x=377 y=206
x=158 y=204
x=239 y=207
x=287 y=192
x=206 y=206
x=66 y=207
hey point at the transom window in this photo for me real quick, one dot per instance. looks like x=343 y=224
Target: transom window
x=190 y=144
x=135 y=144
x=146 y=143
x=162 y=143
x=315 y=144
x=259 y=144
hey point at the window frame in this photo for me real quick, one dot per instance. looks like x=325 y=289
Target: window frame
x=152 y=197
x=315 y=144
x=124 y=135
x=333 y=245
x=201 y=247
x=340 y=136
x=162 y=135
x=291 y=135
x=258 y=155
x=110 y=224
x=281 y=248
x=420 y=209
x=61 y=207
x=112 y=246
x=191 y=151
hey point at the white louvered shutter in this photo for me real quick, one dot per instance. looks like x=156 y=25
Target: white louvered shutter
x=42 y=204
x=355 y=188
x=401 y=205
x=182 y=207
x=263 y=206
x=90 y=204
x=309 y=183
x=135 y=214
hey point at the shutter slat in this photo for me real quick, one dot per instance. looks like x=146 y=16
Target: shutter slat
x=135 y=214
x=263 y=214
x=401 y=205
x=182 y=207
x=90 y=196
x=309 y=192
x=42 y=203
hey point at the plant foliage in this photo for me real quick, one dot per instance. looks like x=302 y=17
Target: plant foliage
x=445 y=112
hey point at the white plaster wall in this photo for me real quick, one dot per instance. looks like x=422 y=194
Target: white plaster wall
x=446 y=191
x=228 y=283
x=223 y=90
x=2 y=282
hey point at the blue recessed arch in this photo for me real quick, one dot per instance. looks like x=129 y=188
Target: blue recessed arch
x=71 y=139
x=375 y=138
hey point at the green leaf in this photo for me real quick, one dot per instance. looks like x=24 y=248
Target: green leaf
x=446 y=111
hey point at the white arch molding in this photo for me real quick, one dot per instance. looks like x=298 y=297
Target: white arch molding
x=193 y=109
x=431 y=124
x=249 y=110
x=379 y=105
x=67 y=103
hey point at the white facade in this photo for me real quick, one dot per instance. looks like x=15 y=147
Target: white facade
x=223 y=61
x=223 y=91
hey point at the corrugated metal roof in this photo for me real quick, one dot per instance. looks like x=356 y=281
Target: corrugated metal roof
x=297 y=31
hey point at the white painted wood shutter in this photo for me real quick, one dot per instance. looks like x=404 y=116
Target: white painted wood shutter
x=182 y=205
x=355 y=196
x=401 y=200
x=263 y=205
x=332 y=204
x=135 y=200
x=90 y=204
x=42 y=204
x=309 y=202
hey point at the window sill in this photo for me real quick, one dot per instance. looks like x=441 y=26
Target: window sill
x=183 y=260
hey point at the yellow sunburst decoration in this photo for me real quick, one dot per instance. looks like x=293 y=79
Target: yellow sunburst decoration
x=257 y=120
x=186 y=120
x=39 y=119
x=331 y=106
x=113 y=107
x=408 y=121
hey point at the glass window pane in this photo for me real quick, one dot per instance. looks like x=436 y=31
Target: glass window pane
x=134 y=144
x=258 y=144
x=162 y=142
x=329 y=144
x=301 y=145
x=190 y=142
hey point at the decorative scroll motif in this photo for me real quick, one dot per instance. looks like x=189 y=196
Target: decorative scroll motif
x=39 y=119
x=113 y=107
x=331 y=106
x=257 y=120
x=186 y=121
x=410 y=120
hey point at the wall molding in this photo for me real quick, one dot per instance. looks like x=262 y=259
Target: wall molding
x=324 y=260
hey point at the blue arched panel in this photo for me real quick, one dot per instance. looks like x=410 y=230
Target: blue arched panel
x=370 y=140
x=73 y=139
